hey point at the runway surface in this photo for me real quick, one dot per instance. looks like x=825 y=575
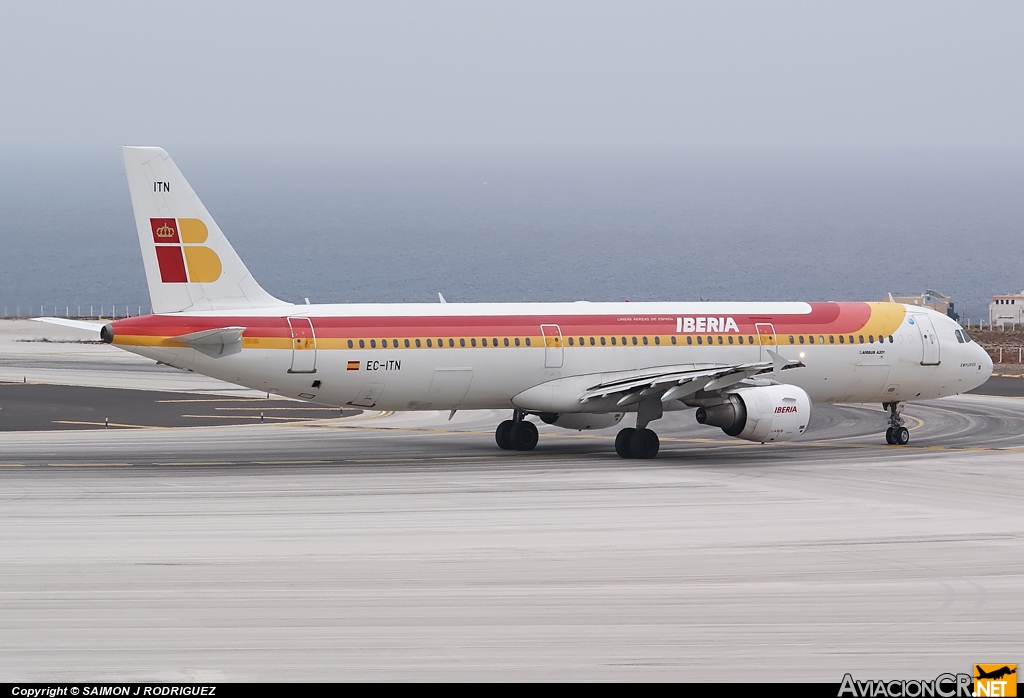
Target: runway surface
x=28 y=407
x=391 y=546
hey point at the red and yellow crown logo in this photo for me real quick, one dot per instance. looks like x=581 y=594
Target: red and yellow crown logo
x=180 y=253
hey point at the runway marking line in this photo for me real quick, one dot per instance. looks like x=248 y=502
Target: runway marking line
x=90 y=465
x=244 y=416
x=112 y=424
x=227 y=399
x=12 y=465
x=280 y=409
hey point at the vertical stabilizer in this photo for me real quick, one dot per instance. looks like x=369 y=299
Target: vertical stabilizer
x=190 y=265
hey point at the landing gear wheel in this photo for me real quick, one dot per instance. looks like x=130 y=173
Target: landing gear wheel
x=901 y=436
x=644 y=444
x=889 y=438
x=503 y=435
x=523 y=436
x=622 y=440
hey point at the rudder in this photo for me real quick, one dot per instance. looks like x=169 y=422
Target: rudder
x=190 y=265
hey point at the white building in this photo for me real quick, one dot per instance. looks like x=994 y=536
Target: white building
x=1006 y=310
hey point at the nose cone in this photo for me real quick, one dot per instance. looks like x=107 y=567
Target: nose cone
x=986 y=364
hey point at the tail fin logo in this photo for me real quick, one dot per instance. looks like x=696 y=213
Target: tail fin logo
x=180 y=253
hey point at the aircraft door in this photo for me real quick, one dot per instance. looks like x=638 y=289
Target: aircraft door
x=929 y=340
x=766 y=339
x=303 y=345
x=552 y=346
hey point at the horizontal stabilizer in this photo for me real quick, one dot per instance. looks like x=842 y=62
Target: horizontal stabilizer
x=220 y=341
x=77 y=324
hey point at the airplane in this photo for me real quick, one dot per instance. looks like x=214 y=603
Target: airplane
x=752 y=369
x=995 y=674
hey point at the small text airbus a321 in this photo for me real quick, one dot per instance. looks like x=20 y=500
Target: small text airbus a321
x=751 y=369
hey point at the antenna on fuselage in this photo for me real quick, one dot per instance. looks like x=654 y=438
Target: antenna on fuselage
x=440 y=297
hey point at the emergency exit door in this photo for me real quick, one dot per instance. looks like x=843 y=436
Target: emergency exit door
x=303 y=345
x=552 y=346
x=929 y=340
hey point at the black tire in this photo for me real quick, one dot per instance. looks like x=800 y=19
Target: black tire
x=523 y=436
x=503 y=435
x=901 y=436
x=622 y=440
x=889 y=438
x=644 y=444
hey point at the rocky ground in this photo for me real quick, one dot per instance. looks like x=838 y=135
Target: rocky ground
x=1011 y=342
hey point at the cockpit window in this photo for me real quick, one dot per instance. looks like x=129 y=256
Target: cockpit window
x=967 y=337
x=959 y=337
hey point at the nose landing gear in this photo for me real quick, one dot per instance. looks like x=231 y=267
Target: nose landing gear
x=516 y=434
x=896 y=434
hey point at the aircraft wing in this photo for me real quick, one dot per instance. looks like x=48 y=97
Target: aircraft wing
x=675 y=382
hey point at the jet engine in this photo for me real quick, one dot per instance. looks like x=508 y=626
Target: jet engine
x=578 y=421
x=769 y=413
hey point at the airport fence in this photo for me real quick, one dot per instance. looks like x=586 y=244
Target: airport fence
x=81 y=312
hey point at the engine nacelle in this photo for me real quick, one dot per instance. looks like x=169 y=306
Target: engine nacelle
x=579 y=421
x=770 y=413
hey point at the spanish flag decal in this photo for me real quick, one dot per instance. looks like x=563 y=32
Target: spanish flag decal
x=180 y=253
x=353 y=365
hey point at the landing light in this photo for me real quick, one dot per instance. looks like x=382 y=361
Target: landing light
x=802 y=355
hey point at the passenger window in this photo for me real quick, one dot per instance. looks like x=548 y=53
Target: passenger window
x=730 y=339
x=821 y=339
x=711 y=340
x=462 y=341
x=362 y=344
x=440 y=343
x=506 y=341
x=700 y=340
x=842 y=339
x=592 y=342
x=483 y=342
x=494 y=341
x=741 y=339
x=613 y=341
x=623 y=341
x=417 y=344
x=430 y=344
x=673 y=339
x=645 y=340
x=527 y=341
x=831 y=339
x=871 y=339
x=451 y=342
x=689 y=339
x=861 y=338
x=657 y=340
x=473 y=341
x=350 y=344
x=517 y=341
x=570 y=341
x=602 y=341
x=801 y=339
x=851 y=339
x=407 y=344
x=810 y=338
x=373 y=343
x=791 y=340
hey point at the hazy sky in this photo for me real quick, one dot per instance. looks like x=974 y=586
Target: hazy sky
x=716 y=73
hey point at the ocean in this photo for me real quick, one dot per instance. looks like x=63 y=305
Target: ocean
x=357 y=225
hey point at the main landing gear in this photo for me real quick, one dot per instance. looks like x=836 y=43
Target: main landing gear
x=640 y=442
x=896 y=434
x=516 y=434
